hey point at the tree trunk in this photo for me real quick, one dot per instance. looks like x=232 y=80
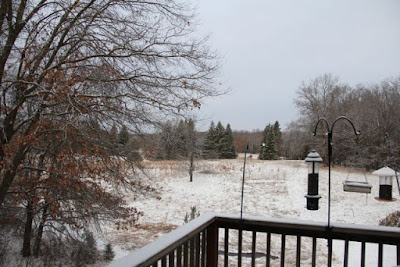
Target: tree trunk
x=38 y=239
x=9 y=175
x=26 y=247
x=191 y=167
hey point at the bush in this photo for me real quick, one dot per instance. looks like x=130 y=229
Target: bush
x=85 y=251
x=108 y=253
x=393 y=219
x=193 y=214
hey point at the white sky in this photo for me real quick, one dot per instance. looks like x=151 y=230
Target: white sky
x=271 y=46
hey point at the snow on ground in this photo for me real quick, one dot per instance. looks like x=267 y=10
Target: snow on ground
x=272 y=189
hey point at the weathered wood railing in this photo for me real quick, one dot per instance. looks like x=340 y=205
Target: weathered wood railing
x=206 y=240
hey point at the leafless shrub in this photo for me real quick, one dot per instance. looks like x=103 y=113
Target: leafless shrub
x=393 y=219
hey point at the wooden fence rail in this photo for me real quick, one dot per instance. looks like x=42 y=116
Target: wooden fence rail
x=213 y=238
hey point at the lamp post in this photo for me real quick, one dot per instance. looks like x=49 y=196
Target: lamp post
x=329 y=134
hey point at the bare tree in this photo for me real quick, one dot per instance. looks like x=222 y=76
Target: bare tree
x=372 y=108
x=65 y=62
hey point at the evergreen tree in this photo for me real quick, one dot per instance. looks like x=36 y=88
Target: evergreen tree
x=209 y=147
x=123 y=136
x=109 y=254
x=219 y=139
x=114 y=134
x=228 y=145
x=219 y=143
x=264 y=142
x=278 y=138
x=269 y=144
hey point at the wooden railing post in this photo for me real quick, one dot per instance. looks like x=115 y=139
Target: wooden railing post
x=212 y=245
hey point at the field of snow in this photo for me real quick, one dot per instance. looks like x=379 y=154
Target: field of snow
x=272 y=189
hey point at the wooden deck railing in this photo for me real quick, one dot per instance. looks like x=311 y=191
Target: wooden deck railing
x=220 y=239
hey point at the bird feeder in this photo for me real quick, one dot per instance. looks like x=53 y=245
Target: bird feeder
x=357 y=187
x=385 y=182
x=313 y=159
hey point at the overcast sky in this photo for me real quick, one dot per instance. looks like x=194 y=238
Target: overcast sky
x=270 y=46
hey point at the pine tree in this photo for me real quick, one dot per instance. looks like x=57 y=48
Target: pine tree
x=109 y=254
x=114 y=134
x=209 y=147
x=278 y=138
x=219 y=139
x=123 y=136
x=228 y=145
x=269 y=144
x=264 y=142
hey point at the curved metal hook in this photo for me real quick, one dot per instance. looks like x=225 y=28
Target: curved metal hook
x=316 y=126
x=347 y=119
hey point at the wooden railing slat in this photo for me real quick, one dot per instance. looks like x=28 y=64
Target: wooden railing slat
x=226 y=247
x=171 y=259
x=186 y=254
x=253 y=249
x=329 y=251
x=203 y=248
x=198 y=250
x=191 y=251
x=179 y=256
x=268 y=252
x=240 y=248
x=283 y=248
x=212 y=246
x=346 y=253
x=314 y=252
x=362 y=254
x=398 y=254
x=298 y=251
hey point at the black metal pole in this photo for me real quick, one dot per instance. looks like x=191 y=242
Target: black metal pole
x=330 y=133
x=329 y=176
x=244 y=170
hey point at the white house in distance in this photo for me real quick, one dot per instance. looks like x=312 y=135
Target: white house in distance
x=385 y=182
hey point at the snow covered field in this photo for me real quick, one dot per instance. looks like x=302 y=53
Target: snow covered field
x=272 y=189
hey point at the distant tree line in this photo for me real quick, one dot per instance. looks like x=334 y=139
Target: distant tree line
x=374 y=109
x=219 y=142
x=180 y=141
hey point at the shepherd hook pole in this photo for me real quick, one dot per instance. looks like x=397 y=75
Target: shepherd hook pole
x=330 y=148
x=244 y=170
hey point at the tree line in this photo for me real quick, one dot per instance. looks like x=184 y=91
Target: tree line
x=218 y=142
x=374 y=110
x=180 y=140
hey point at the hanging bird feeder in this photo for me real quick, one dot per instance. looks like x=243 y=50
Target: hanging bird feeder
x=357 y=186
x=386 y=175
x=313 y=159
